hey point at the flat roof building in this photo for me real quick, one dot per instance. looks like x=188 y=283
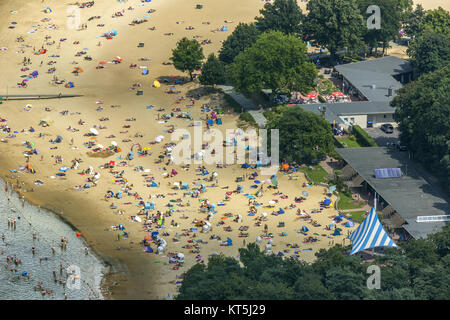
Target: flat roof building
x=411 y=195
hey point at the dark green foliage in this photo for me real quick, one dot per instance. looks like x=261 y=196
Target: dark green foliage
x=412 y=26
x=282 y=15
x=363 y=138
x=213 y=71
x=275 y=61
x=335 y=24
x=423 y=114
x=187 y=56
x=243 y=37
x=345 y=284
x=429 y=51
x=304 y=136
x=391 y=14
x=417 y=270
x=437 y=20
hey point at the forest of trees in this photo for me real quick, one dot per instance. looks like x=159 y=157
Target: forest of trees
x=419 y=269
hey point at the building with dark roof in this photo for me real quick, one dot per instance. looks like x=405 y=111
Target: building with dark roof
x=408 y=199
x=375 y=82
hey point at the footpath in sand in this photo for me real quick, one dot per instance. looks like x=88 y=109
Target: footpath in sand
x=89 y=177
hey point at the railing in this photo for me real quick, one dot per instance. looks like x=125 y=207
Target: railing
x=442 y=218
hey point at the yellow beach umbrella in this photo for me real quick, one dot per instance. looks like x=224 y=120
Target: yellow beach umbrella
x=156 y=84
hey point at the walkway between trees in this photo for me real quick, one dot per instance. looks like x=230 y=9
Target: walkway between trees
x=245 y=103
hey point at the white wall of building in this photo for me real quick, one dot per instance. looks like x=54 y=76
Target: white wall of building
x=361 y=120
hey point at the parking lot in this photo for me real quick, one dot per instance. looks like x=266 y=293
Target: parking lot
x=381 y=138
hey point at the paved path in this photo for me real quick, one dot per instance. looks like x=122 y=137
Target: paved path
x=245 y=103
x=259 y=117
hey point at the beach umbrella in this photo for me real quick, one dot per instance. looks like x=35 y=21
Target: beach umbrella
x=118 y=59
x=180 y=256
x=100 y=146
x=94 y=131
x=158 y=139
x=102 y=62
x=63 y=169
x=156 y=84
x=327 y=202
x=305 y=194
x=114 y=143
x=311 y=95
x=271 y=202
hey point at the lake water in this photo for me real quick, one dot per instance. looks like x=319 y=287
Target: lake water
x=86 y=269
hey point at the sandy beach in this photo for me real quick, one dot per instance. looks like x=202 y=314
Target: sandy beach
x=123 y=117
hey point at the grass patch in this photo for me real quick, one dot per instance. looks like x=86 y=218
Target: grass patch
x=317 y=174
x=350 y=143
x=357 y=216
x=346 y=202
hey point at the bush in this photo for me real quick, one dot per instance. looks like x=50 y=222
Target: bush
x=338 y=143
x=363 y=138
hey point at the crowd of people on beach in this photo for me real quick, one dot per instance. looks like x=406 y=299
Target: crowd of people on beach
x=175 y=206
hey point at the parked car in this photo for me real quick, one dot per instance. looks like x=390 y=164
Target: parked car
x=387 y=128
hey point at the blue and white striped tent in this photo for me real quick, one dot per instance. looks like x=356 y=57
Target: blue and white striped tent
x=370 y=234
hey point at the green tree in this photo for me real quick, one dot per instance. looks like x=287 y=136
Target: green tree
x=335 y=24
x=243 y=37
x=437 y=20
x=442 y=241
x=413 y=21
x=433 y=281
x=391 y=15
x=213 y=71
x=344 y=284
x=423 y=114
x=282 y=15
x=187 y=56
x=276 y=61
x=429 y=51
x=309 y=286
x=304 y=136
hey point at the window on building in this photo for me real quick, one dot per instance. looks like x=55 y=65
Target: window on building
x=352 y=120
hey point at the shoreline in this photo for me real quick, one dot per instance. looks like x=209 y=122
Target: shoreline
x=103 y=260
x=109 y=266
